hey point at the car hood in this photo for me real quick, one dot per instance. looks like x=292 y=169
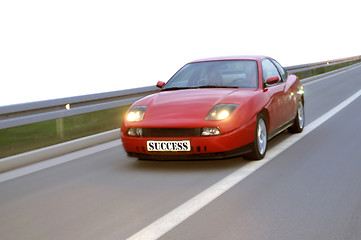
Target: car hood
x=189 y=107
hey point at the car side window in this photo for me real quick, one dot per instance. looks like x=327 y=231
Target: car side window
x=269 y=70
x=281 y=70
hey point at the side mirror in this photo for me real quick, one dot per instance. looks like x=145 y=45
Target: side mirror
x=272 y=80
x=160 y=84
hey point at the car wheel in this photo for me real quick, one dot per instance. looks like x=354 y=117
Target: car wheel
x=259 y=145
x=299 y=121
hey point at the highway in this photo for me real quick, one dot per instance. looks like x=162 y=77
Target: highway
x=310 y=189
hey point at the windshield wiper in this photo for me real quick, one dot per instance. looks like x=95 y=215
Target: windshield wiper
x=176 y=88
x=215 y=86
x=204 y=86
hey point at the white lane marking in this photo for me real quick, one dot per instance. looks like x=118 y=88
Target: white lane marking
x=57 y=160
x=167 y=222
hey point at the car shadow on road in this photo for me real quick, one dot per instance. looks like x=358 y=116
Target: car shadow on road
x=187 y=165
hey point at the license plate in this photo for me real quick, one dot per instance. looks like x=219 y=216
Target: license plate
x=169 y=146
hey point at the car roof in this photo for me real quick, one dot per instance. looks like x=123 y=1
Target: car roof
x=243 y=57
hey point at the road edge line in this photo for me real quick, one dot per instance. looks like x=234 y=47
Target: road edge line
x=43 y=154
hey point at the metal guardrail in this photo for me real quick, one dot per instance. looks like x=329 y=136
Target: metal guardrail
x=26 y=113
x=304 y=67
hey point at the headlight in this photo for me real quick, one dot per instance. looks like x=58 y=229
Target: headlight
x=135 y=132
x=213 y=131
x=221 y=111
x=136 y=114
x=300 y=90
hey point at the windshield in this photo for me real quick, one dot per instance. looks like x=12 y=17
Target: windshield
x=227 y=73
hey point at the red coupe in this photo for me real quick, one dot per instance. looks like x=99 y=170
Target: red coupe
x=216 y=108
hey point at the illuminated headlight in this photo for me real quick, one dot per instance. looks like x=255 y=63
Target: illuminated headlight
x=136 y=114
x=135 y=132
x=213 y=131
x=300 y=90
x=221 y=111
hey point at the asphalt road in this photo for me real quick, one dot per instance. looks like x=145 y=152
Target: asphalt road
x=312 y=190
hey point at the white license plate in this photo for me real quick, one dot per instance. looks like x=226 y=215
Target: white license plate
x=169 y=146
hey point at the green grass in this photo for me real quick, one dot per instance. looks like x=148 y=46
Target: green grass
x=28 y=137
x=317 y=71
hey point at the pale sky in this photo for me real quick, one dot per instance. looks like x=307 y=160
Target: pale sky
x=54 y=49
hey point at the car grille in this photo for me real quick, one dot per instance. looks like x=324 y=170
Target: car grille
x=171 y=132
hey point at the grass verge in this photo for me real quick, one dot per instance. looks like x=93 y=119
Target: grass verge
x=328 y=68
x=28 y=137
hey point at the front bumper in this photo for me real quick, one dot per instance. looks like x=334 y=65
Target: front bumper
x=195 y=156
x=227 y=145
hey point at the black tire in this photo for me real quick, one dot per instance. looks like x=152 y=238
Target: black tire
x=299 y=122
x=260 y=143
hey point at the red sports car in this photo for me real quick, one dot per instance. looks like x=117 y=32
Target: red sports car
x=215 y=108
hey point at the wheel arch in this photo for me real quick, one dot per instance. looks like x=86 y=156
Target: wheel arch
x=265 y=113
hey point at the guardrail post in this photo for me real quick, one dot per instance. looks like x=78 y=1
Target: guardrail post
x=60 y=127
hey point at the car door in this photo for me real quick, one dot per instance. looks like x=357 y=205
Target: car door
x=279 y=103
x=289 y=91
